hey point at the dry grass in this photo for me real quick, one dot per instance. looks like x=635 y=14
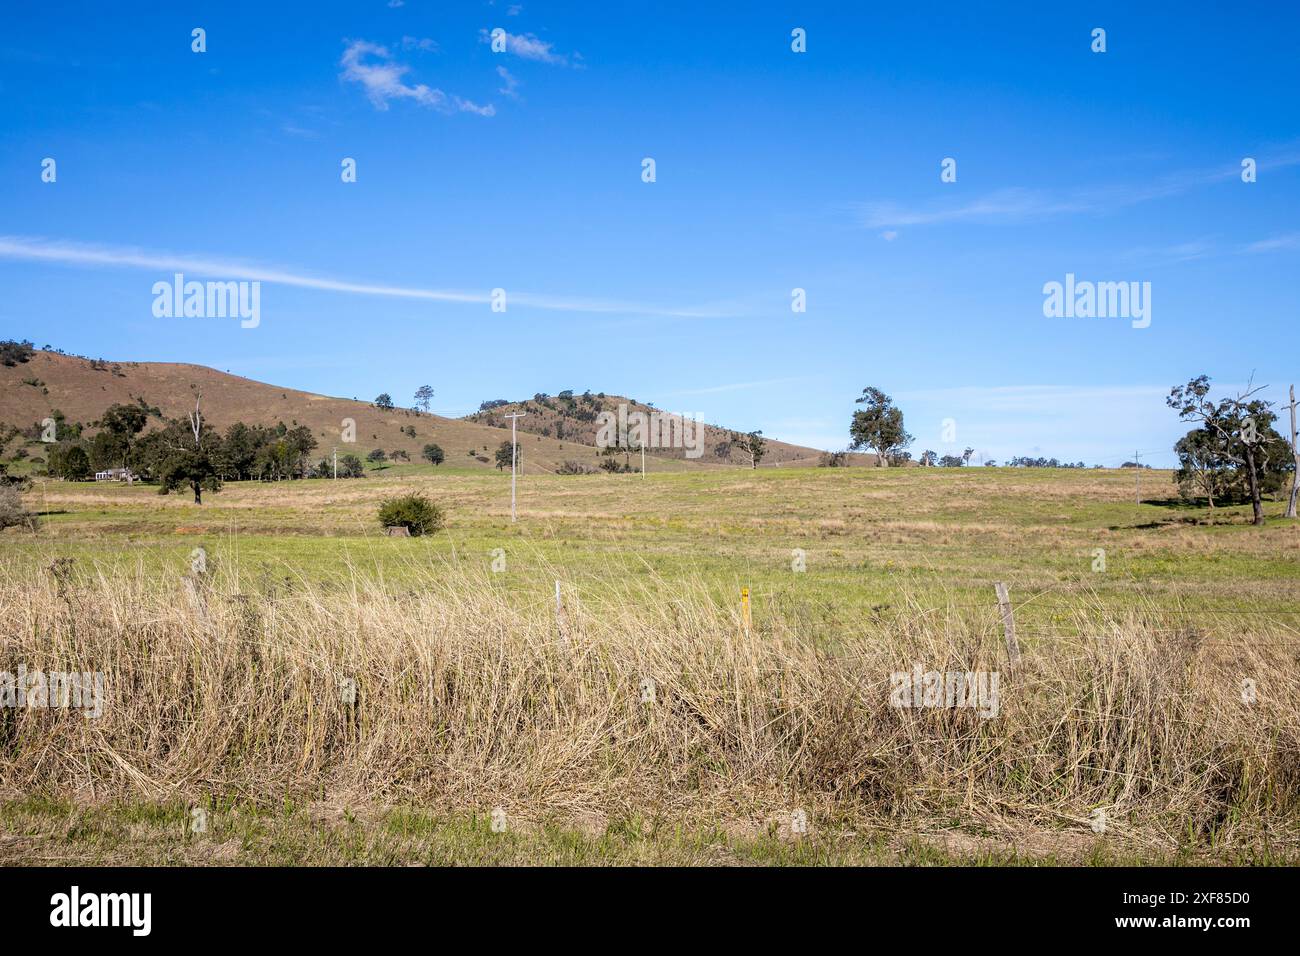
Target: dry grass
x=468 y=698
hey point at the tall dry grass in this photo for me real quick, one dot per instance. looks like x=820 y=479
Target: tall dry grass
x=470 y=696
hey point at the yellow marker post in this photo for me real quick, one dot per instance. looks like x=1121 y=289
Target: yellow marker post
x=744 y=609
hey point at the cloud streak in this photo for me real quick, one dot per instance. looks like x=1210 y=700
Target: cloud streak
x=1021 y=205
x=511 y=83
x=34 y=249
x=1290 y=240
x=526 y=46
x=374 y=69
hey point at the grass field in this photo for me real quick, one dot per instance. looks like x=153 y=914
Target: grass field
x=868 y=535
x=1129 y=698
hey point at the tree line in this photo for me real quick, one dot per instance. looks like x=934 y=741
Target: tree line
x=1234 y=455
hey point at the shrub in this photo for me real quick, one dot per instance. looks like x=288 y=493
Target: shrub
x=414 y=512
x=571 y=467
x=377 y=455
x=12 y=511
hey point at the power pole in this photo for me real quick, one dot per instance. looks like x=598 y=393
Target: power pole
x=1137 y=476
x=643 y=459
x=336 y=462
x=514 y=457
x=1295 y=456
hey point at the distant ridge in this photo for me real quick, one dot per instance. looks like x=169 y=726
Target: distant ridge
x=83 y=388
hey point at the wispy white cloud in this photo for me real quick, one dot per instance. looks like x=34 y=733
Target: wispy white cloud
x=33 y=249
x=373 y=67
x=1178 y=252
x=1017 y=204
x=420 y=43
x=1290 y=240
x=526 y=46
x=1209 y=248
x=511 y=84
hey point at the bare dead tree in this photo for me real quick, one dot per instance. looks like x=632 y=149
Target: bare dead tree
x=196 y=420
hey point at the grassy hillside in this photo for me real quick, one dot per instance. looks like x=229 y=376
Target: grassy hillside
x=82 y=390
x=575 y=417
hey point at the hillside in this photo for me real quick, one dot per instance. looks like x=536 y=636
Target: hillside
x=577 y=418
x=82 y=389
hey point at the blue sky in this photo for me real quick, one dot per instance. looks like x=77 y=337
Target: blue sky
x=775 y=170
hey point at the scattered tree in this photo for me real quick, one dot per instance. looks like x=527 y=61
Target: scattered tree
x=434 y=454
x=1203 y=465
x=187 y=458
x=120 y=424
x=350 y=466
x=70 y=462
x=752 y=446
x=878 y=426
x=1243 y=425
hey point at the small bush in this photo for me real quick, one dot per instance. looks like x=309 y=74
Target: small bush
x=414 y=512
x=571 y=467
x=12 y=512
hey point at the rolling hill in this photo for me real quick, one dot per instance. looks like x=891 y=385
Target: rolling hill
x=83 y=388
x=577 y=418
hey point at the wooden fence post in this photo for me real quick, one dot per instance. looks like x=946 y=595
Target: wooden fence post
x=745 y=618
x=1008 y=623
x=561 y=619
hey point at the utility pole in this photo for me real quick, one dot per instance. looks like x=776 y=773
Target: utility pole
x=336 y=462
x=1137 y=476
x=643 y=459
x=514 y=457
x=1295 y=456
